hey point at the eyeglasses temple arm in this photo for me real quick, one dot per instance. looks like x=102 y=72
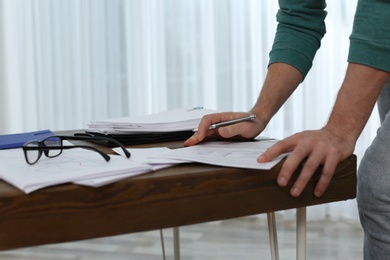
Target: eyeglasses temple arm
x=81 y=138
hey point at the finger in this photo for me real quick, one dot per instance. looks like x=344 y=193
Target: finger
x=208 y=120
x=327 y=174
x=283 y=146
x=203 y=128
x=309 y=167
x=204 y=125
x=290 y=165
x=225 y=132
x=244 y=129
x=193 y=140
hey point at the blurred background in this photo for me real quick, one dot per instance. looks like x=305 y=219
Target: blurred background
x=64 y=63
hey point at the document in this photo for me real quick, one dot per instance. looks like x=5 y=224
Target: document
x=138 y=155
x=75 y=165
x=181 y=119
x=85 y=167
x=225 y=153
x=105 y=180
x=151 y=156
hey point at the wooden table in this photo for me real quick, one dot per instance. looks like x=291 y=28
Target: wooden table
x=177 y=196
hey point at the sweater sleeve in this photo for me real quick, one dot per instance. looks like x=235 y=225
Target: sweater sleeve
x=370 y=38
x=301 y=26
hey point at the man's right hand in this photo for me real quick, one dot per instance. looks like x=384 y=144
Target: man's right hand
x=246 y=130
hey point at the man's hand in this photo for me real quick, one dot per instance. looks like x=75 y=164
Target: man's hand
x=317 y=147
x=336 y=140
x=246 y=130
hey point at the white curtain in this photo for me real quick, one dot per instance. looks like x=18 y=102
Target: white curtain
x=64 y=63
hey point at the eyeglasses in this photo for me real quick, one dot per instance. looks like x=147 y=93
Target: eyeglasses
x=52 y=146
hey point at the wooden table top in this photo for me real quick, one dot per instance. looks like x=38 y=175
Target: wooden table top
x=180 y=195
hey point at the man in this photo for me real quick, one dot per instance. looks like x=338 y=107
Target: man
x=300 y=30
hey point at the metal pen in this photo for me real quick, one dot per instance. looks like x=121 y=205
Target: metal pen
x=230 y=122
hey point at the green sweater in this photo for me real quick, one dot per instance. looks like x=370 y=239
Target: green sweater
x=301 y=26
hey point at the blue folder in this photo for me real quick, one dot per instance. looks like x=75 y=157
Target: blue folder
x=17 y=140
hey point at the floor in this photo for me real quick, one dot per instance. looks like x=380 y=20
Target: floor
x=241 y=238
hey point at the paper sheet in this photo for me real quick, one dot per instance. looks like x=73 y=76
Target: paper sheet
x=71 y=166
x=150 y=156
x=138 y=155
x=86 y=167
x=181 y=119
x=225 y=153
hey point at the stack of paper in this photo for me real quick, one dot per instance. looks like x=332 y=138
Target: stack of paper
x=88 y=168
x=181 y=119
x=75 y=165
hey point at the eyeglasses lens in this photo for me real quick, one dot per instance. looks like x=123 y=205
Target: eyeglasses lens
x=33 y=155
x=53 y=141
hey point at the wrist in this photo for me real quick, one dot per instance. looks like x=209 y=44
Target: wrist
x=261 y=118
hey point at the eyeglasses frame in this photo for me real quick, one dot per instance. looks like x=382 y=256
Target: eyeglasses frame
x=42 y=148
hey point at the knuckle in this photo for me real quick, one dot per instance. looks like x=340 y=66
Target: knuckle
x=334 y=150
x=327 y=175
x=288 y=168
x=310 y=165
x=301 y=150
